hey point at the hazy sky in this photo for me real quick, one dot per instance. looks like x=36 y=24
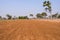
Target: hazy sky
x=25 y=7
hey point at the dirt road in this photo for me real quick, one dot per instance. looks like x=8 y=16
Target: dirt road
x=29 y=30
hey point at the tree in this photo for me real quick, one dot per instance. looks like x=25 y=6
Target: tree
x=44 y=14
x=14 y=18
x=9 y=16
x=25 y=17
x=59 y=16
x=22 y=17
x=47 y=6
x=31 y=15
x=39 y=15
x=0 y=17
x=55 y=15
x=4 y=18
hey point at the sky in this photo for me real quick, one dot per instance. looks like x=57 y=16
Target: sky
x=26 y=7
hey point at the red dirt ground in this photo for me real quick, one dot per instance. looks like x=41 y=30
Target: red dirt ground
x=30 y=29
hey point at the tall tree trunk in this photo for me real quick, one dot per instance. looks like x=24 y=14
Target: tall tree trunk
x=51 y=15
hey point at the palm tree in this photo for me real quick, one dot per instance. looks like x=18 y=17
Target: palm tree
x=47 y=6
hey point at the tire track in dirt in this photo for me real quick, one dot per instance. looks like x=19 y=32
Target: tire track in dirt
x=13 y=34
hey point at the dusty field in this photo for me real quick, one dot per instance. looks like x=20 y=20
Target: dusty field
x=30 y=29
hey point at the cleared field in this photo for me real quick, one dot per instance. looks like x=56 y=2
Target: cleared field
x=30 y=29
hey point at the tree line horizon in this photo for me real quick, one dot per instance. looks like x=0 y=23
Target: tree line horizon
x=48 y=8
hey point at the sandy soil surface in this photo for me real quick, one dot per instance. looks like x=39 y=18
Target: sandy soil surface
x=35 y=29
